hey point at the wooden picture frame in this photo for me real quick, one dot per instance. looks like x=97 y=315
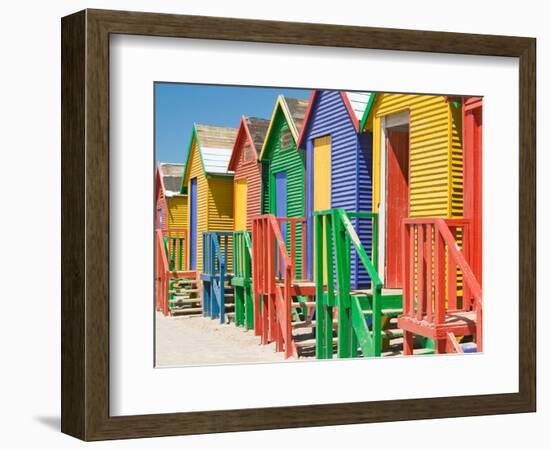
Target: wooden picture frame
x=85 y=224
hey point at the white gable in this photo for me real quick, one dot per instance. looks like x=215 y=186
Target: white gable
x=359 y=102
x=216 y=160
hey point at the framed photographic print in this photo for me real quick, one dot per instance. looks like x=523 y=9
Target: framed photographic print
x=270 y=224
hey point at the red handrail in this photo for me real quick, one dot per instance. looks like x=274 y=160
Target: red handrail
x=467 y=275
x=273 y=271
x=431 y=258
x=163 y=270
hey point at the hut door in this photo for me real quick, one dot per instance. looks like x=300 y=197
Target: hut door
x=159 y=218
x=280 y=198
x=397 y=201
x=193 y=225
x=280 y=208
x=241 y=190
x=321 y=181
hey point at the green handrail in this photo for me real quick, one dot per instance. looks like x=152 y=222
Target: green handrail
x=242 y=279
x=339 y=230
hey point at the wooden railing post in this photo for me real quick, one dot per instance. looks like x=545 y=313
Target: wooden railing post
x=320 y=337
x=429 y=274
x=342 y=270
x=374 y=249
x=405 y=240
x=293 y=247
x=439 y=278
x=420 y=282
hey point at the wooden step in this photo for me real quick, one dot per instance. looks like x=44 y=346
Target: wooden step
x=185 y=311
x=310 y=324
x=184 y=285
x=385 y=312
x=311 y=342
x=303 y=324
x=185 y=300
x=423 y=351
x=302 y=305
x=183 y=291
x=184 y=274
x=393 y=333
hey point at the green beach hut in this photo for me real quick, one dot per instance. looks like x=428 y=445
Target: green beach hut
x=283 y=168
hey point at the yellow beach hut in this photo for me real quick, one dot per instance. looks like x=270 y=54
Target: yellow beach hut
x=209 y=187
x=171 y=203
x=417 y=167
x=422 y=172
x=171 y=212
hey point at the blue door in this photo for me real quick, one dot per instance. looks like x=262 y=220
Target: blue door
x=280 y=198
x=193 y=225
x=280 y=205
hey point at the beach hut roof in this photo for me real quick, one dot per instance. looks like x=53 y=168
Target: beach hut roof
x=367 y=111
x=356 y=103
x=256 y=130
x=214 y=145
x=294 y=110
x=172 y=176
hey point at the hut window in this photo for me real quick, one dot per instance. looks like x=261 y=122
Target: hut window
x=248 y=152
x=285 y=139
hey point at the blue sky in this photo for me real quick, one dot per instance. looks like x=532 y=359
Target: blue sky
x=178 y=106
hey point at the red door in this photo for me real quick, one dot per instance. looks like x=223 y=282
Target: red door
x=397 y=203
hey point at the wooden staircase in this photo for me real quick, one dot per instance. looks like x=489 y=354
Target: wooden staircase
x=284 y=304
x=362 y=322
x=176 y=288
x=184 y=294
x=242 y=280
x=302 y=320
x=218 y=292
x=391 y=336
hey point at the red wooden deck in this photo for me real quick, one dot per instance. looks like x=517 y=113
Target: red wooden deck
x=432 y=261
x=460 y=323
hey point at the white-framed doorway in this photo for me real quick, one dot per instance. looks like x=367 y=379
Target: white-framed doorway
x=387 y=123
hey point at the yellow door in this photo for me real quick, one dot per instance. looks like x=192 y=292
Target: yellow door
x=321 y=176
x=241 y=189
x=321 y=180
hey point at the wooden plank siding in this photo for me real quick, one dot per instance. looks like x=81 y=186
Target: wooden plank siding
x=161 y=204
x=265 y=187
x=457 y=161
x=195 y=170
x=350 y=168
x=209 y=152
x=248 y=169
x=177 y=211
x=220 y=208
x=291 y=162
x=436 y=155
